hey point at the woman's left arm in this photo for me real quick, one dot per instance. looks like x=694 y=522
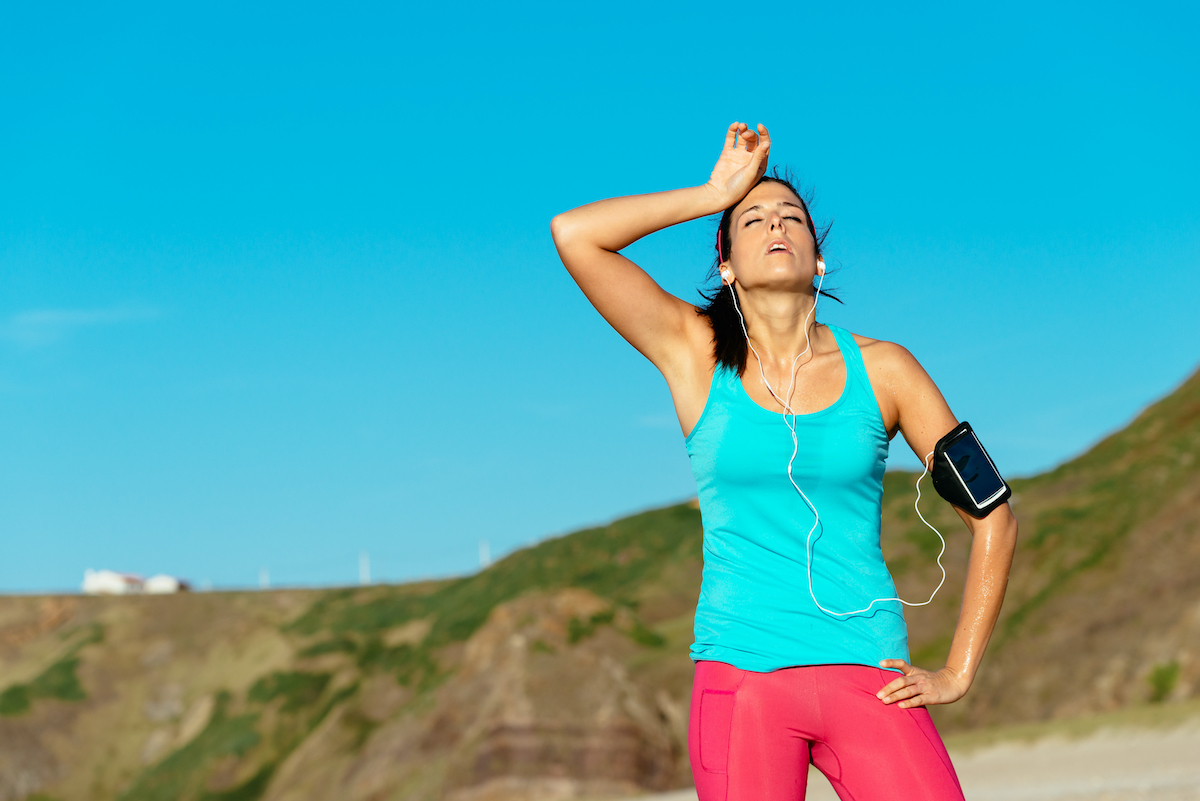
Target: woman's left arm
x=911 y=402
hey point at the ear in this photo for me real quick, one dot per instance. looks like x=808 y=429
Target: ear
x=727 y=276
x=820 y=266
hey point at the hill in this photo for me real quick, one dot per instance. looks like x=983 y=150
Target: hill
x=562 y=670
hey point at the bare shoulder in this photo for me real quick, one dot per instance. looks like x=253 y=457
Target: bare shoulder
x=909 y=400
x=888 y=360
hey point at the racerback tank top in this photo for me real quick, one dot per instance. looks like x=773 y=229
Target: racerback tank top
x=755 y=611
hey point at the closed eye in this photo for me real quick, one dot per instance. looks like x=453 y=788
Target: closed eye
x=747 y=224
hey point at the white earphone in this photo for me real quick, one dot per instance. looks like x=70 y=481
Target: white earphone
x=728 y=276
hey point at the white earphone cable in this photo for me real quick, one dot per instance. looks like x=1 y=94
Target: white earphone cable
x=786 y=403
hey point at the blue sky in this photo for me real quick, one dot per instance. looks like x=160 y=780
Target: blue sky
x=278 y=285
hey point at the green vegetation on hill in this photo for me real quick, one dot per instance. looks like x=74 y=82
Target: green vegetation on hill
x=613 y=561
x=299 y=689
x=57 y=681
x=177 y=776
x=616 y=562
x=257 y=731
x=295 y=702
x=1092 y=503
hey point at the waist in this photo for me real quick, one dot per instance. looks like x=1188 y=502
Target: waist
x=758 y=600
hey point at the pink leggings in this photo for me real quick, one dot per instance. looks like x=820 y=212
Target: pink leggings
x=751 y=736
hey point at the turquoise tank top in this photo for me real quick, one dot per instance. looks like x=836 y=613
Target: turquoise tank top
x=755 y=610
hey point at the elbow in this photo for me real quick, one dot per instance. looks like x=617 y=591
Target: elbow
x=560 y=229
x=998 y=530
x=568 y=239
x=1010 y=527
x=1004 y=535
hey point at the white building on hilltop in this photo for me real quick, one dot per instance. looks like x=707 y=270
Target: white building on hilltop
x=163 y=584
x=110 y=582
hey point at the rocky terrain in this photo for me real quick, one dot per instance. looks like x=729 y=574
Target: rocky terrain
x=562 y=670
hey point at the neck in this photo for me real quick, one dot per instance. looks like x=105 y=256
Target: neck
x=780 y=325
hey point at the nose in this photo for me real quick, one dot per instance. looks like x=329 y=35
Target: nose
x=776 y=221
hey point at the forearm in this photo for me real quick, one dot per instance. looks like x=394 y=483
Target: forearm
x=994 y=541
x=616 y=223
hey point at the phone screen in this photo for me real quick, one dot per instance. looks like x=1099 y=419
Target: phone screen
x=974 y=468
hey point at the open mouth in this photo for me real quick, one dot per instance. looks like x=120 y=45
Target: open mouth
x=779 y=246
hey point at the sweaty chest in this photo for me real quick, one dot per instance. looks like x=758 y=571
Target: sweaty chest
x=815 y=386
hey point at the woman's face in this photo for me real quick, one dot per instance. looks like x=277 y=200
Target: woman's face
x=771 y=243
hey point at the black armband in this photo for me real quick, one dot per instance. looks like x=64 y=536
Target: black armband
x=965 y=475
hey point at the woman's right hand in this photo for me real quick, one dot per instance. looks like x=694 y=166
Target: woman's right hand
x=741 y=163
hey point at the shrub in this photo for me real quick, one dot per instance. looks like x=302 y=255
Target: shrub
x=1162 y=680
x=300 y=689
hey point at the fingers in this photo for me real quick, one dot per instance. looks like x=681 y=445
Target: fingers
x=731 y=135
x=910 y=696
x=760 y=151
x=904 y=692
x=740 y=133
x=909 y=686
x=919 y=692
x=758 y=142
x=765 y=138
x=920 y=687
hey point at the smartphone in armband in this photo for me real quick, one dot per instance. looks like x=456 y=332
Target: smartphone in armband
x=965 y=475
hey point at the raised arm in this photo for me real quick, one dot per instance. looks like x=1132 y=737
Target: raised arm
x=923 y=417
x=590 y=237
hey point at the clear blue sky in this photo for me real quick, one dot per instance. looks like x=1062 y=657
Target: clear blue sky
x=277 y=284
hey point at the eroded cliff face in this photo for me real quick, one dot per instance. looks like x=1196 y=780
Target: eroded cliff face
x=560 y=671
x=525 y=713
x=531 y=704
x=26 y=764
x=180 y=702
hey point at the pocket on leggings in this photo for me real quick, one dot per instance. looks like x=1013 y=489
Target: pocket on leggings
x=716 y=719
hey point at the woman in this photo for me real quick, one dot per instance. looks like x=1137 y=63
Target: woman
x=790 y=667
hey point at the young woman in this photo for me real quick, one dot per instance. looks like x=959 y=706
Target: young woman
x=787 y=423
